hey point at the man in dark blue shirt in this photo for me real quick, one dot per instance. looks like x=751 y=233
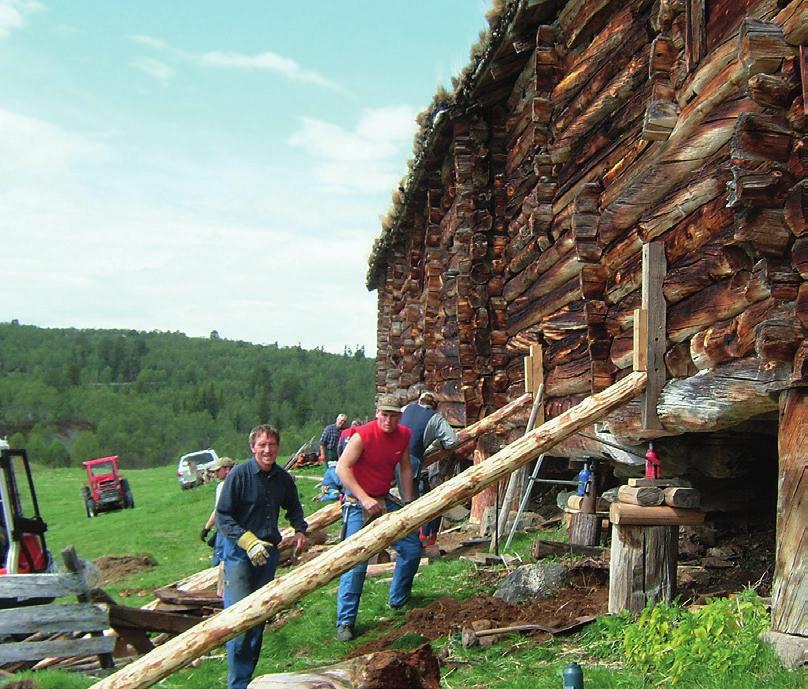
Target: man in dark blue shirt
x=247 y=517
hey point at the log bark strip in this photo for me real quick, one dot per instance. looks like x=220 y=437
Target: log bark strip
x=644 y=496
x=284 y=591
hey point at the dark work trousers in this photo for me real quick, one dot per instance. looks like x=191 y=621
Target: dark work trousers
x=241 y=578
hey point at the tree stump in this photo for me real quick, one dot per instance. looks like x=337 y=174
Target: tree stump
x=642 y=567
x=585 y=529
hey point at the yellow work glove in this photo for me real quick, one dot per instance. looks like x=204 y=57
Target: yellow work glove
x=257 y=550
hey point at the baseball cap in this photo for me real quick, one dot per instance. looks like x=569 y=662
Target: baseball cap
x=222 y=463
x=388 y=403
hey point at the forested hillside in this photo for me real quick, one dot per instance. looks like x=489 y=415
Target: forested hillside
x=70 y=395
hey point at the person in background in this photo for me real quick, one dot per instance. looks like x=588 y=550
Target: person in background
x=345 y=436
x=332 y=486
x=220 y=469
x=247 y=517
x=330 y=439
x=366 y=469
x=428 y=428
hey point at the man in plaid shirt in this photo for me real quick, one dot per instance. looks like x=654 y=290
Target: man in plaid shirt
x=330 y=439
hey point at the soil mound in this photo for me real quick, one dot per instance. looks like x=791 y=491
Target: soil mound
x=115 y=568
x=585 y=595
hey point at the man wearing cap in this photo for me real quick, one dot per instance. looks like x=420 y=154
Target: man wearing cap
x=427 y=428
x=247 y=517
x=330 y=439
x=220 y=469
x=366 y=469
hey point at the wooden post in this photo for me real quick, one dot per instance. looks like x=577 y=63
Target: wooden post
x=536 y=389
x=640 y=350
x=642 y=567
x=695 y=34
x=73 y=564
x=584 y=529
x=488 y=496
x=653 y=303
x=286 y=590
x=790 y=590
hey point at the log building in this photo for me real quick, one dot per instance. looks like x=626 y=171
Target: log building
x=620 y=182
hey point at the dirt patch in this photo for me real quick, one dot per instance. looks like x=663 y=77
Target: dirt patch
x=587 y=594
x=744 y=551
x=114 y=569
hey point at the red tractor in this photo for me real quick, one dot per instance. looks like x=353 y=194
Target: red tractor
x=22 y=529
x=106 y=489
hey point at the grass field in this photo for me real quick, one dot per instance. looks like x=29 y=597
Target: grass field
x=165 y=525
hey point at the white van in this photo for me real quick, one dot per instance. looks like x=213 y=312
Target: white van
x=191 y=467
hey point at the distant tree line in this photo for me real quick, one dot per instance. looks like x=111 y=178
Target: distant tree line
x=68 y=395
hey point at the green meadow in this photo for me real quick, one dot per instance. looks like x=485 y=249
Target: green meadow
x=668 y=646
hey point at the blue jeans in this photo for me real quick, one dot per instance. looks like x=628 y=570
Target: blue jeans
x=351 y=582
x=218 y=548
x=241 y=578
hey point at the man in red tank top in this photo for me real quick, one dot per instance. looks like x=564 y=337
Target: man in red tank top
x=367 y=469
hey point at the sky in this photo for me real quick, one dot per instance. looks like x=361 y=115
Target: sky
x=197 y=165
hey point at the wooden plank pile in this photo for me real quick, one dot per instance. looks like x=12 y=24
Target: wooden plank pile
x=32 y=627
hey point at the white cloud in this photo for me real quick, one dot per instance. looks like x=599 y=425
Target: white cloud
x=150 y=42
x=28 y=144
x=154 y=68
x=172 y=244
x=266 y=61
x=13 y=14
x=365 y=159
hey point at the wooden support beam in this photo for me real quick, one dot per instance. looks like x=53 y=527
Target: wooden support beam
x=695 y=39
x=653 y=303
x=283 y=592
x=640 y=358
x=790 y=589
x=534 y=373
x=622 y=513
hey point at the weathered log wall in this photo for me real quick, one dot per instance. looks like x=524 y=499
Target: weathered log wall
x=595 y=128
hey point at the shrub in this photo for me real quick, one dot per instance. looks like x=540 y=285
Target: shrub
x=718 y=638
